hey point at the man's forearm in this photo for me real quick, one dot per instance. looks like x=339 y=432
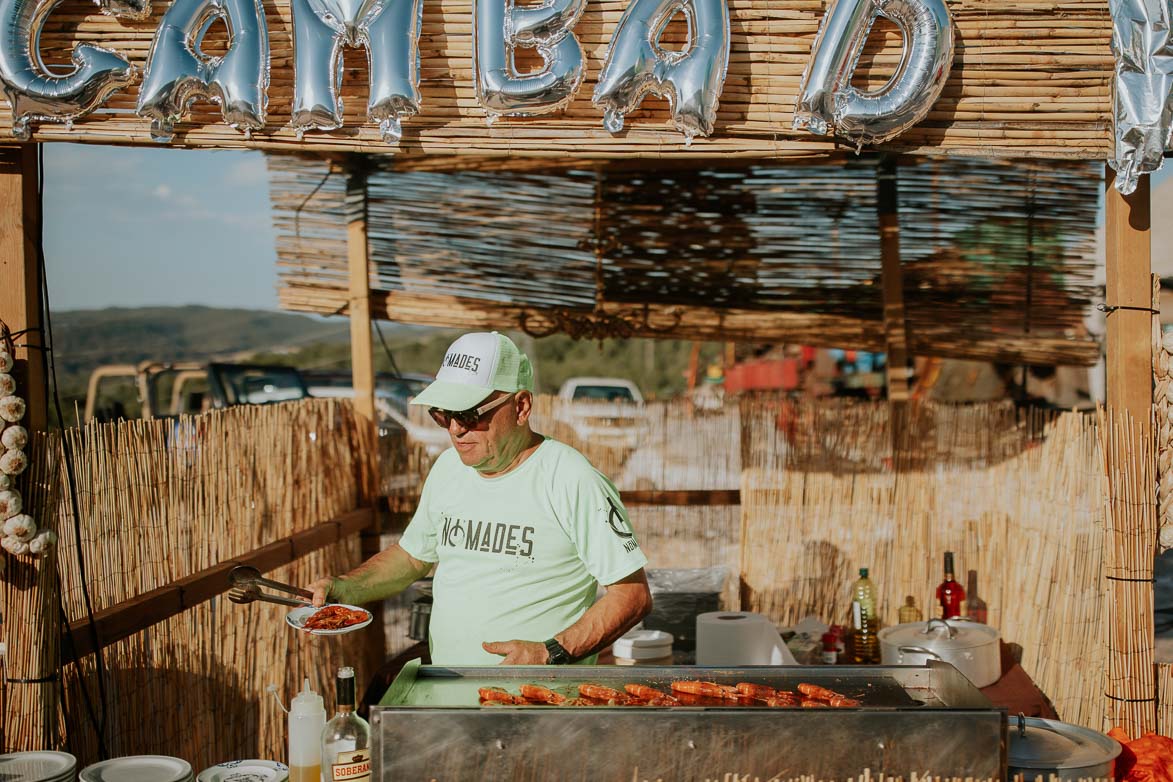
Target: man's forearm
x=386 y=574
x=619 y=610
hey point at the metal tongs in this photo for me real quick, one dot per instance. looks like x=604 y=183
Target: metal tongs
x=246 y=587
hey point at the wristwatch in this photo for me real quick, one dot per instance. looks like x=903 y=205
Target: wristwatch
x=557 y=654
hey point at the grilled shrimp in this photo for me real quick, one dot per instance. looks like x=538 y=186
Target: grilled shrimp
x=497 y=695
x=689 y=699
x=759 y=691
x=536 y=692
x=644 y=691
x=706 y=689
x=811 y=703
x=815 y=691
x=605 y=695
x=843 y=702
x=782 y=701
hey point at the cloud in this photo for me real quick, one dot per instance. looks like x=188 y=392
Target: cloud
x=162 y=192
x=248 y=171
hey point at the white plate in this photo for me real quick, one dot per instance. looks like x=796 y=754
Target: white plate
x=298 y=616
x=245 y=771
x=37 y=766
x=138 y=768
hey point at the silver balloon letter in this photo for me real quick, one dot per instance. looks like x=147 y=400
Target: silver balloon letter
x=499 y=28
x=34 y=92
x=178 y=73
x=691 y=80
x=388 y=29
x=827 y=103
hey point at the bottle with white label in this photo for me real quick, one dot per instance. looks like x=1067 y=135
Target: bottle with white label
x=346 y=739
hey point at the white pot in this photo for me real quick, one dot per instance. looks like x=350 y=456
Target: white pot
x=970 y=647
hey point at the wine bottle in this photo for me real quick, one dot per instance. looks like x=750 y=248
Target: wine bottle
x=346 y=739
x=949 y=593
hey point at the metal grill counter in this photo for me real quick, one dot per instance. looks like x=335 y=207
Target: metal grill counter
x=912 y=719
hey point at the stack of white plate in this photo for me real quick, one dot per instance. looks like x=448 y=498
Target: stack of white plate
x=38 y=767
x=139 y=768
x=245 y=771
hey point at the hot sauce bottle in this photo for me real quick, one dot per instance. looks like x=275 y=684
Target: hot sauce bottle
x=950 y=593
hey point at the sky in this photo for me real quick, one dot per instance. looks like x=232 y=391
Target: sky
x=138 y=226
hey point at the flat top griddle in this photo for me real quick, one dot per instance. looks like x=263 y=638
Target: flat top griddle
x=876 y=687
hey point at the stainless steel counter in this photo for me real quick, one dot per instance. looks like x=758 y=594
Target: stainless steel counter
x=927 y=720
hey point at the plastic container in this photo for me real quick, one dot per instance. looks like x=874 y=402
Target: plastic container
x=307 y=719
x=643 y=647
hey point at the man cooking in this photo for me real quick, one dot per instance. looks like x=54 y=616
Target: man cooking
x=521 y=527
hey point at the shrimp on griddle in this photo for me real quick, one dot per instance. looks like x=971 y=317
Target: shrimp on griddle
x=606 y=695
x=497 y=695
x=540 y=694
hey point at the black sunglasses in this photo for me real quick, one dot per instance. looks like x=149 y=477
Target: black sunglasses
x=470 y=418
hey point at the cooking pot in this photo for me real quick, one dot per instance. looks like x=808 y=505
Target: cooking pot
x=970 y=647
x=1040 y=747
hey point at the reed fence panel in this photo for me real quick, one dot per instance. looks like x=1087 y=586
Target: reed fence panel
x=1018 y=497
x=160 y=500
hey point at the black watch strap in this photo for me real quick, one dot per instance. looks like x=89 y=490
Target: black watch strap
x=557 y=654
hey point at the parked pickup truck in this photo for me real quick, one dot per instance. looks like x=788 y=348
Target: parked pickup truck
x=602 y=411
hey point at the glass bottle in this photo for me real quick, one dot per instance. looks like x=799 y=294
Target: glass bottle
x=975 y=607
x=864 y=620
x=909 y=612
x=346 y=739
x=949 y=593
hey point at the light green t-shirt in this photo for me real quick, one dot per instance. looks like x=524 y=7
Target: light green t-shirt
x=521 y=554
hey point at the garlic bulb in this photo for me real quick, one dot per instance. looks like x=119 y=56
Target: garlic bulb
x=6 y=361
x=7 y=384
x=14 y=546
x=5 y=482
x=12 y=408
x=15 y=437
x=9 y=504
x=42 y=542
x=21 y=527
x=13 y=462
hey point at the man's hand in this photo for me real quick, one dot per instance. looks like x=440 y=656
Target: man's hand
x=518 y=652
x=321 y=589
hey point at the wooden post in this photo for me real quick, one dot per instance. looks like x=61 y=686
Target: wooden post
x=362 y=365
x=892 y=282
x=20 y=275
x=1130 y=456
x=362 y=368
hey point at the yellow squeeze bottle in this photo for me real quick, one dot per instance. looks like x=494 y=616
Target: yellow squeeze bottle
x=307 y=717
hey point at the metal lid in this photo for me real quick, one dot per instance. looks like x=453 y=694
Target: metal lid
x=940 y=633
x=1040 y=743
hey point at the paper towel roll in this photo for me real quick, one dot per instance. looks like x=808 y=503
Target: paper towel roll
x=739 y=638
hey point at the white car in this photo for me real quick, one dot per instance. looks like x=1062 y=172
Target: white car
x=603 y=411
x=391 y=405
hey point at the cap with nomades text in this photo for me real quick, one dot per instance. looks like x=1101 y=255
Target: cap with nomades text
x=474 y=367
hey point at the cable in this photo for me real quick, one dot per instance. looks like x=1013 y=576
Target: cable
x=49 y=370
x=387 y=350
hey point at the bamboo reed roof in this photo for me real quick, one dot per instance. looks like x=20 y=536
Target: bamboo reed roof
x=997 y=256
x=1027 y=79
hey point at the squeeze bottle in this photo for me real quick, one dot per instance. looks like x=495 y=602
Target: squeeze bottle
x=307 y=718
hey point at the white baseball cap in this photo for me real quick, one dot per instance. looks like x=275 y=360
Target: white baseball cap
x=475 y=366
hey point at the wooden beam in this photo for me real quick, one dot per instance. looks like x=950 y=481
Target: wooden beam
x=699 y=323
x=20 y=275
x=135 y=615
x=1129 y=453
x=695 y=497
